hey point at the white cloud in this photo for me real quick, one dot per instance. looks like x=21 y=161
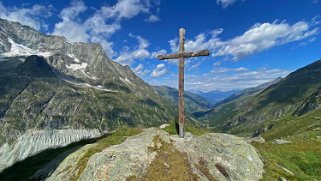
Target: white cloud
x=316 y=20
x=152 y=18
x=258 y=38
x=194 y=66
x=224 y=80
x=224 y=69
x=139 y=70
x=241 y=69
x=102 y=24
x=125 y=9
x=225 y=3
x=216 y=64
x=159 y=52
x=159 y=71
x=220 y=70
x=128 y=56
x=264 y=36
x=237 y=78
x=142 y=43
x=72 y=12
x=33 y=16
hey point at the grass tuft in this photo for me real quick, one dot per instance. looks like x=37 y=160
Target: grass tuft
x=113 y=139
x=172 y=129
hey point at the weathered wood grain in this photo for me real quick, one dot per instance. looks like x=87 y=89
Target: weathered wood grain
x=184 y=55
x=181 y=55
x=181 y=83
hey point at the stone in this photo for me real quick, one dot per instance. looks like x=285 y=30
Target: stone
x=225 y=157
x=163 y=126
x=280 y=141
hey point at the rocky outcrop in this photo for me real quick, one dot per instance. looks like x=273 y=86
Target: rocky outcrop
x=34 y=142
x=219 y=156
x=78 y=62
x=311 y=104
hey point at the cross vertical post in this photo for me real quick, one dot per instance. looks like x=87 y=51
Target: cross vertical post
x=181 y=115
x=181 y=55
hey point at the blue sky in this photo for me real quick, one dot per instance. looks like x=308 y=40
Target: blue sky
x=251 y=41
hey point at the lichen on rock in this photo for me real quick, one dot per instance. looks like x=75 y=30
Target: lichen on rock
x=156 y=154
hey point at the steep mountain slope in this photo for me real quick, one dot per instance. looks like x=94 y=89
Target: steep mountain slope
x=252 y=91
x=295 y=94
x=193 y=102
x=53 y=92
x=298 y=158
x=225 y=109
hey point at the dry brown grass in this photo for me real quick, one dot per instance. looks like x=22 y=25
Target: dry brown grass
x=202 y=166
x=169 y=164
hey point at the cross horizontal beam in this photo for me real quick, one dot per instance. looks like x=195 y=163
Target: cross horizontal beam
x=184 y=55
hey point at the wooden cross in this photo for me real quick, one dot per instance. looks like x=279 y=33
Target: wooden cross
x=181 y=55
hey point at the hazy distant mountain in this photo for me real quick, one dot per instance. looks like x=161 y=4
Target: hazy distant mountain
x=53 y=92
x=193 y=102
x=215 y=96
x=252 y=91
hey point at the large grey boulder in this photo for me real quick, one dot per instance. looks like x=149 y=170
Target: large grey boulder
x=227 y=158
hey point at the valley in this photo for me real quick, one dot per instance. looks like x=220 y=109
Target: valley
x=66 y=106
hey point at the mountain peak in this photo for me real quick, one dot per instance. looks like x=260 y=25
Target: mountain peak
x=36 y=66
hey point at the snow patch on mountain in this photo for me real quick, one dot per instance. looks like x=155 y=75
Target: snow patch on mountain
x=75 y=67
x=80 y=84
x=73 y=57
x=21 y=50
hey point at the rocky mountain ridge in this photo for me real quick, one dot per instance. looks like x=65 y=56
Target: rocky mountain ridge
x=51 y=85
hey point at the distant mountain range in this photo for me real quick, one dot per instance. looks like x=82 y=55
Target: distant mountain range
x=193 y=102
x=215 y=96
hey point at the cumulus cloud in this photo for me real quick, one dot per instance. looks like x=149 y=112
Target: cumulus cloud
x=226 y=3
x=103 y=23
x=236 y=78
x=264 y=36
x=152 y=18
x=225 y=78
x=128 y=56
x=125 y=9
x=69 y=27
x=259 y=37
x=140 y=70
x=32 y=16
x=159 y=52
x=159 y=71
